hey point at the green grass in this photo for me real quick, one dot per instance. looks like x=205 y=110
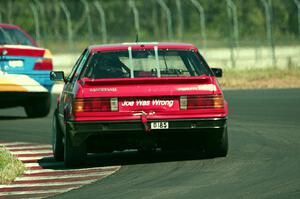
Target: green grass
x=10 y=167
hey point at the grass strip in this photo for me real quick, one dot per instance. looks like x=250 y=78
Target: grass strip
x=10 y=166
x=260 y=78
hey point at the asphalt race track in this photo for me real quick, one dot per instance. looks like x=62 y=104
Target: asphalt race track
x=263 y=161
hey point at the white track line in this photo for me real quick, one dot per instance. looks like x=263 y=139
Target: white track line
x=46 y=184
x=92 y=170
x=12 y=143
x=44 y=164
x=28 y=147
x=36 y=192
x=30 y=178
x=34 y=158
x=30 y=152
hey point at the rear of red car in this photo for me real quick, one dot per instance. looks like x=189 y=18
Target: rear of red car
x=144 y=97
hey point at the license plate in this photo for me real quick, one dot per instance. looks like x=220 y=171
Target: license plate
x=159 y=125
x=15 y=63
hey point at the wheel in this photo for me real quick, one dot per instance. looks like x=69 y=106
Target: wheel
x=147 y=146
x=216 y=145
x=38 y=108
x=74 y=156
x=57 y=139
x=146 y=152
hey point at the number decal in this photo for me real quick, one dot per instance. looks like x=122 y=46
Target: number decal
x=159 y=125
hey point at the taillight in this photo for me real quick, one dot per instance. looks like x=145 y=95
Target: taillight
x=95 y=105
x=201 y=102
x=43 y=64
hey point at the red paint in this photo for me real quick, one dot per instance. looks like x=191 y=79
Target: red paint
x=145 y=89
x=30 y=161
x=23 y=145
x=136 y=46
x=34 y=155
x=35 y=168
x=31 y=149
x=189 y=81
x=71 y=179
x=31 y=52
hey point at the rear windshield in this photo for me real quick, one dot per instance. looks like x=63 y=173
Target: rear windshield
x=145 y=63
x=13 y=37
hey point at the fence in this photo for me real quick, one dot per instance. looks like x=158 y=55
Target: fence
x=260 y=25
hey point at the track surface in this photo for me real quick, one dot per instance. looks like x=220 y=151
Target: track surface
x=263 y=161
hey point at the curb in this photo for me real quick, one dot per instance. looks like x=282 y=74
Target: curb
x=44 y=176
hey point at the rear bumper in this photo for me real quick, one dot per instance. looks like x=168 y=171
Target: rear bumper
x=11 y=99
x=80 y=131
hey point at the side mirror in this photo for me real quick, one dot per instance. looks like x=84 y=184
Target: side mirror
x=217 y=72
x=57 y=76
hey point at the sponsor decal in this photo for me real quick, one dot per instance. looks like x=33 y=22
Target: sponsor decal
x=143 y=103
x=209 y=87
x=19 y=83
x=103 y=90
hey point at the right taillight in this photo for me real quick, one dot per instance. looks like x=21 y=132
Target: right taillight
x=95 y=105
x=201 y=102
x=43 y=64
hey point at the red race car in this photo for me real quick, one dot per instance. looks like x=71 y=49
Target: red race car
x=139 y=96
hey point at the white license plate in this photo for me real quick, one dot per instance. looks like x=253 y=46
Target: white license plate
x=159 y=125
x=15 y=63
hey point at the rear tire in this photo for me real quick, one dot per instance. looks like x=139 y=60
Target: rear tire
x=57 y=139
x=74 y=156
x=39 y=107
x=216 y=145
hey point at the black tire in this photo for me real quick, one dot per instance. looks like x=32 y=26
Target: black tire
x=74 y=156
x=38 y=107
x=147 y=146
x=57 y=139
x=216 y=145
x=146 y=152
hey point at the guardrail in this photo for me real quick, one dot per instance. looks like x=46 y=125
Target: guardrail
x=245 y=58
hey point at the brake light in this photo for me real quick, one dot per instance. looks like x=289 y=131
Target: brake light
x=43 y=64
x=96 y=105
x=201 y=102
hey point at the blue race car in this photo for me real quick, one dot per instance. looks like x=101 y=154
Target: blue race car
x=24 y=72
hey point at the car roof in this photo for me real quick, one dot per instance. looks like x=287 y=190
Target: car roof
x=141 y=45
x=3 y=25
x=11 y=26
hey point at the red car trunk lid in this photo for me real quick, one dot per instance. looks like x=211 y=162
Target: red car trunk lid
x=145 y=88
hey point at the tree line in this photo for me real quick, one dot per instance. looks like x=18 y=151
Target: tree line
x=168 y=20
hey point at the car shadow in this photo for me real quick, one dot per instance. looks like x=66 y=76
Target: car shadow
x=126 y=158
x=13 y=117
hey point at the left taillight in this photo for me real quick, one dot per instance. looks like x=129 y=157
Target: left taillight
x=201 y=102
x=43 y=64
x=95 y=105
